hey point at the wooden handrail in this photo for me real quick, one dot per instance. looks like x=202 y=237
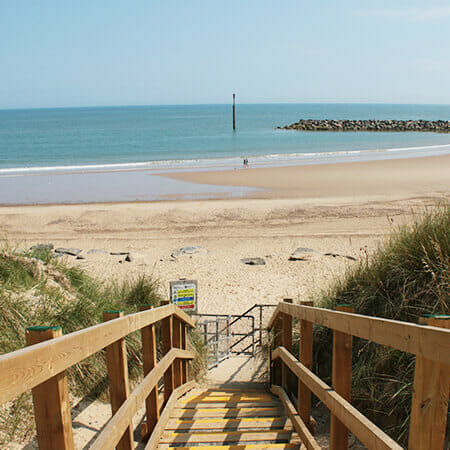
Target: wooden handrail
x=366 y=431
x=24 y=369
x=41 y=367
x=430 y=342
x=300 y=427
x=116 y=426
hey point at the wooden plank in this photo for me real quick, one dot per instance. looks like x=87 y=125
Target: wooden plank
x=119 y=389
x=430 y=400
x=366 y=431
x=175 y=395
x=261 y=446
x=167 y=344
x=248 y=404
x=149 y=363
x=232 y=413
x=286 y=342
x=115 y=427
x=233 y=390
x=234 y=398
x=221 y=424
x=26 y=368
x=177 y=343
x=277 y=372
x=185 y=363
x=430 y=342
x=51 y=400
x=300 y=426
x=230 y=437
x=341 y=380
x=306 y=358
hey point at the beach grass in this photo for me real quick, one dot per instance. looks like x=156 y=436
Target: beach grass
x=36 y=288
x=408 y=276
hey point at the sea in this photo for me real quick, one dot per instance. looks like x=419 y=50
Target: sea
x=108 y=140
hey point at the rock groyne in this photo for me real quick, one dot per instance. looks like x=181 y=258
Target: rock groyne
x=436 y=126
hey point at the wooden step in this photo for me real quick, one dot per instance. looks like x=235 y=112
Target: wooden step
x=247 y=423
x=228 y=399
x=195 y=405
x=229 y=419
x=230 y=437
x=236 y=447
x=232 y=413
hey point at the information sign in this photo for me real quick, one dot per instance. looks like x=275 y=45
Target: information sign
x=183 y=293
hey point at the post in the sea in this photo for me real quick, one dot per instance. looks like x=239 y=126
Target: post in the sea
x=234 y=112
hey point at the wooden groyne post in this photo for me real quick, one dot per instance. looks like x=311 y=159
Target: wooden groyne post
x=234 y=112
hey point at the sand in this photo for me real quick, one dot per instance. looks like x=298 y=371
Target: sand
x=344 y=209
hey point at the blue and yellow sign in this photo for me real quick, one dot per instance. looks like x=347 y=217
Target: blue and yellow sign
x=183 y=293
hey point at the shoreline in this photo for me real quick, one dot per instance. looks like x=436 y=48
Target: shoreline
x=383 y=178
x=226 y=163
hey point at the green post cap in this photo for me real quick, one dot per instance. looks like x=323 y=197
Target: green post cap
x=113 y=312
x=42 y=328
x=346 y=305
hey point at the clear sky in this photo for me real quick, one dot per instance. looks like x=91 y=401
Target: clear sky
x=132 y=52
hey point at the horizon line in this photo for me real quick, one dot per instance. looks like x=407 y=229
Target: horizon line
x=216 y=104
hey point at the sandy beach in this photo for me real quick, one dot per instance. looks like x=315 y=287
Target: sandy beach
x=344 y=209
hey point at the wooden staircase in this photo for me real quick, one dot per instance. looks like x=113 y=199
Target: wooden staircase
x=229 y=419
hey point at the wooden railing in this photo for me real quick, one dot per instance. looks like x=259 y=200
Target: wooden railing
x=429 y=341
x=41 y=367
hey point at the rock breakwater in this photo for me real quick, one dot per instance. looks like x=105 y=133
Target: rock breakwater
x=436 y=126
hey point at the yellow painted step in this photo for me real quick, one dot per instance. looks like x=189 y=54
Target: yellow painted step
x=232 y=413
x=231 y=405
x=239 y=447
x=226 y=398
x=246 y=423
x=230 y=437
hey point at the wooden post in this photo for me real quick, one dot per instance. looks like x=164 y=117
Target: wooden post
x=166 y=340
x=342 y=380
x=306 y=358
x=430 y=397
x=286 y=342
x=277 y=364
x=177 y=370
x=149 y=362
x=51 y=400
x=119 y=390
x=234 y=112
x=184 y=363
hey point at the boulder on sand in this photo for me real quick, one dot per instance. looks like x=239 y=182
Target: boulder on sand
x=68 y=251
x=254 y=261
x=304 y=254
x=186 y=251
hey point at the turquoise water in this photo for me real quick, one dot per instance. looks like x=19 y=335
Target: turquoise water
x=200 y=135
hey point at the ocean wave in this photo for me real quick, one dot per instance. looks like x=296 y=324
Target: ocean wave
x=226 y=162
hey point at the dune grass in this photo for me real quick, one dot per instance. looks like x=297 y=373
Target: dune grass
x=406 y=277
x=36 y=288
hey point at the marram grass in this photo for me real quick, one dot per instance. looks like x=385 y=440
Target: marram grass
x=406 y=277
x=66 y=297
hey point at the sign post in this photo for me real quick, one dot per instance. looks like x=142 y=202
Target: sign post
x=183 y=293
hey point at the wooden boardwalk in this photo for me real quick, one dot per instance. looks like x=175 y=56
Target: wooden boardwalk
x=229 y=419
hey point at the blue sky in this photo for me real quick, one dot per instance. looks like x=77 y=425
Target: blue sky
x=114 y=52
